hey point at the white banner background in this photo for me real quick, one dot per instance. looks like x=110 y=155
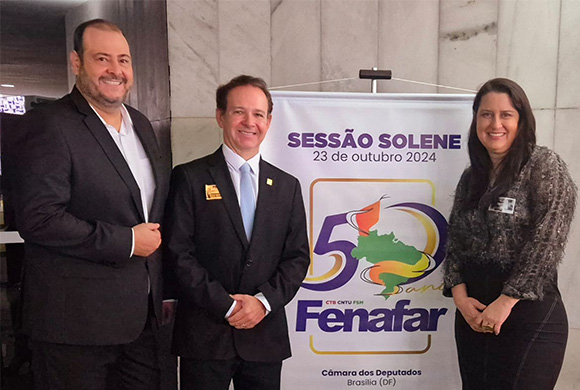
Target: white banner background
x=384 y=146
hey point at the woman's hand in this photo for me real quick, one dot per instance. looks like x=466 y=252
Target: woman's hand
x=470 y=308
x=497 y=312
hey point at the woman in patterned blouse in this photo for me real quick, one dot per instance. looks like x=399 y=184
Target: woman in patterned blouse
x=507 y=232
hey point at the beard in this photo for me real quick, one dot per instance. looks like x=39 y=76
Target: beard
x=91 y=90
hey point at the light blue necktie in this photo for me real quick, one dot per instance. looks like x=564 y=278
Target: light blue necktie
x=247 y=202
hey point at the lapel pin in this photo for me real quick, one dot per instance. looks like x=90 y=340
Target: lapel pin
x=269 y=181
x=212 y=192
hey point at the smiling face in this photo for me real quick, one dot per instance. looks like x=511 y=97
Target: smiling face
x=245 y=121
x=105 y=73
x=497 y=124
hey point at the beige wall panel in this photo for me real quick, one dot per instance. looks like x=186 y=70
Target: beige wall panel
x=194 y=138
x=467 y=43
x=569 y=55
x=296 y=43
x=545 y=127
x=349 y=42
x=527 y=49
x=244 y=39
x=567 y=144
x=193 y=56
x=408 y=44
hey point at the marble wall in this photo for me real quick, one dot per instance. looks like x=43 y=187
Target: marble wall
x=460 y=43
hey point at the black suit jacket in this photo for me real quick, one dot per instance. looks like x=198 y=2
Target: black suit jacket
x=211 y=258
x=77 y=201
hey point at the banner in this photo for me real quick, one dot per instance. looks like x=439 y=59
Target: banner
x=378 y=172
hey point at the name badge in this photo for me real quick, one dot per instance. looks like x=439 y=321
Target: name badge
x=503 y=205
x=212 y=192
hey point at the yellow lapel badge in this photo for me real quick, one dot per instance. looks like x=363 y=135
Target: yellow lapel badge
x=269 y=181
x=212 y=192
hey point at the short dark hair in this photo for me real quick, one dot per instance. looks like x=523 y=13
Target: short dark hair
x=80 y=31
x=517 y=155
x=221 y=96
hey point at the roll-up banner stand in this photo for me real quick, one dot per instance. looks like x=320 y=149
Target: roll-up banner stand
x=378 y=172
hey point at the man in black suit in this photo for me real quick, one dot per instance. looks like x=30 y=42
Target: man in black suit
x=92 y=183
x=235 y=274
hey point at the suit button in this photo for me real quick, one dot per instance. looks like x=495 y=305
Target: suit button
x=249 y=263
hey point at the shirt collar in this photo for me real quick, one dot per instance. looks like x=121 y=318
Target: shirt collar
x=127 y=121
x=236 y=161
x=126 y=117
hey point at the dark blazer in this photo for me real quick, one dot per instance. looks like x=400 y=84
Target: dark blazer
x=77 y=201
x=211 y=258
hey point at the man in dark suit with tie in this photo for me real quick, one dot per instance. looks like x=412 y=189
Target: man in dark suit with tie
x=92 y=183
x=235 y=234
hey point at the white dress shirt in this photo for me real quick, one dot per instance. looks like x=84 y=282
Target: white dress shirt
x=132 y=150
x=235 y=161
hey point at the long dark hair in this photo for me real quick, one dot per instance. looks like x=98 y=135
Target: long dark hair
x=517 y=155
